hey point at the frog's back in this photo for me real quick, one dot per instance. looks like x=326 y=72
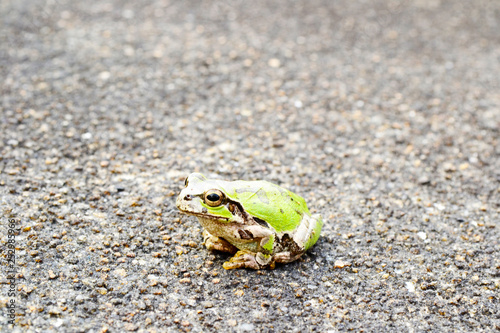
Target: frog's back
x=277 y=206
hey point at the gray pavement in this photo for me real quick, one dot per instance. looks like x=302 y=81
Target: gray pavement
x=383 y=115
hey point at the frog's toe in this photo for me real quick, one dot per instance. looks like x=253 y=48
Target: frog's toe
x=245 y=259
x=285 y=257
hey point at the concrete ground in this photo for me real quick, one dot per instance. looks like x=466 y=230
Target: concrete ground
x=383 y=115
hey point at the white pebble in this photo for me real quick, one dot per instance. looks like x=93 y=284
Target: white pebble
x=87 y=136
x=410 y=286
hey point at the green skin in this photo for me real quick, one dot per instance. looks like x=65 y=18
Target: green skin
x=260 y=222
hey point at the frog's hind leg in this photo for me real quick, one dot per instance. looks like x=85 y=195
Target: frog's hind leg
x=248 y=259
x=286 y=257
x=216 y=243
x=308 y=231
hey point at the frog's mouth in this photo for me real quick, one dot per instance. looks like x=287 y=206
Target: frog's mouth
x=206 y=216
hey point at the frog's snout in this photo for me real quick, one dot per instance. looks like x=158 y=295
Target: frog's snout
x=178 y=202
x=183 y=200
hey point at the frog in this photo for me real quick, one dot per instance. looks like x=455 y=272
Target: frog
x=259 y=222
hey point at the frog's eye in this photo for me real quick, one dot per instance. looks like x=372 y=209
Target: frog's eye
x=214 y=198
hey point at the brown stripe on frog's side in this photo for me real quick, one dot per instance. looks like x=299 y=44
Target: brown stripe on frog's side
x=236 y=209
x=261 y=194
x=288 y=244
x=261 y=222
x=231 y=207
x=245 y=234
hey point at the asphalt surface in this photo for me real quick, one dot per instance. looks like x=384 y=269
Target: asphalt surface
x=383 y=115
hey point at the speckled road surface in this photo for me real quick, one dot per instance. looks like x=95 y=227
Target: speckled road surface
x=383 y=115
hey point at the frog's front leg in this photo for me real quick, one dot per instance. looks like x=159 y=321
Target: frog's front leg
x=216 y=243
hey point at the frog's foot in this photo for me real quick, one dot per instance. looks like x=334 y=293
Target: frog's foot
x=216 y=243
x=285 y=257
x=247 y=259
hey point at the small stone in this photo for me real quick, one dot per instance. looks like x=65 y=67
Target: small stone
x=102 y=291
x=463 y=166
x=12 y=172
x=422 y=235
x=54 y=310
x=341 y=264
x=246 y=113
x=227 y=147
x=246 y=327
x=130 y=327
x=207 y=304
x=410 y=286
x=120 y=272
x=105 y=75
x=448 y=167
x=50 y=161
x=274 y=63
x=424 y=180
x=428 y=285
x=52 y=275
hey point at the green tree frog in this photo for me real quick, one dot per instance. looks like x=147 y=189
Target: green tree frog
x=257 y=221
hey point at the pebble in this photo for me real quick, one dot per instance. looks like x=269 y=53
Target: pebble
x=274 y=63
x=246 y=327
x=341 y=264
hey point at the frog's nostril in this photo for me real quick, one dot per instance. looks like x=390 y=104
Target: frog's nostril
x=188 y=197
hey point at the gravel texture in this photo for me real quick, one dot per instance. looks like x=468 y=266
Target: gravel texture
x=383 y=115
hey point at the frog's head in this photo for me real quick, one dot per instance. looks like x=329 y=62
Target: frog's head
x=206 y=198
